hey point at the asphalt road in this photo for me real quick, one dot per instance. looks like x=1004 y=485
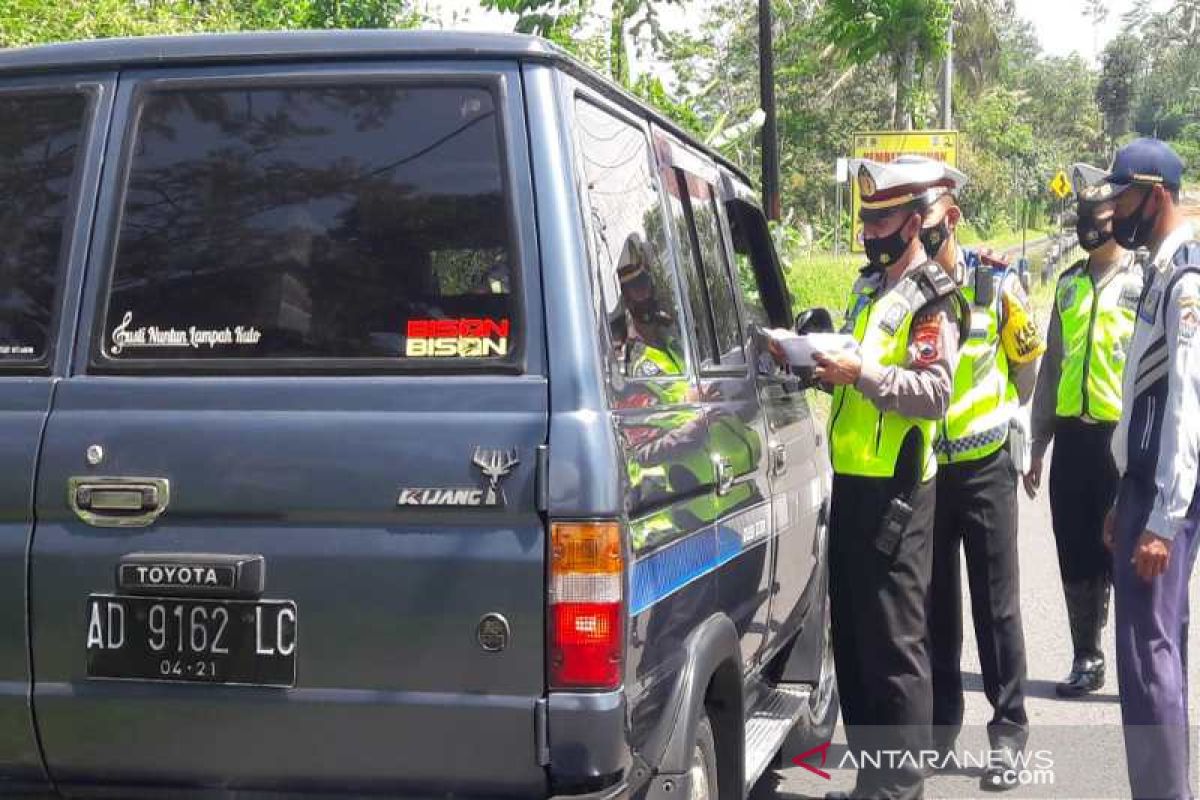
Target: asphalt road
x=1077 y=744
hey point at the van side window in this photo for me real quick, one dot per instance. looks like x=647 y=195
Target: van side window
x=764 y=295
x=628 y=245
x=40 y=136
x=752 y=293
x=716 y=296
x=323 y=223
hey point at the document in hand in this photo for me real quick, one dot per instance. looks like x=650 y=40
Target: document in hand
x=799 y=349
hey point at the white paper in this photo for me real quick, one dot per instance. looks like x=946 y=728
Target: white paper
x=799 y=349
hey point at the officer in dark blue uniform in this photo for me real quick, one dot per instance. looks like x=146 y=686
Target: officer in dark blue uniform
x=1157 y=449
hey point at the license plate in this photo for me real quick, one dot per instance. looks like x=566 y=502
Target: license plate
x=192 y=641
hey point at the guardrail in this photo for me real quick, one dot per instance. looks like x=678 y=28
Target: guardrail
x=1062 y=248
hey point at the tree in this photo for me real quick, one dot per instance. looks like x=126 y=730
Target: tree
x=1097 y=11
x=1120 y=66
x=821 y=99
x=909 y=34
x=24 y=22
x=561 y=21
x=978 y=25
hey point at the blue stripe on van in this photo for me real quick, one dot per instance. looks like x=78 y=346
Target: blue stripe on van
x=666 y=571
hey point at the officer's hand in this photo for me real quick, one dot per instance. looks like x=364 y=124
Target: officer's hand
x=1151 y=556
x=1033 y=478
x=1110 y=530
x=839 y=369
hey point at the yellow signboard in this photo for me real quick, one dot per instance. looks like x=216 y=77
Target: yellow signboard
x=1060 y=185
x=885 y=146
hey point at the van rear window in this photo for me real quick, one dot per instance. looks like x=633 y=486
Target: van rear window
x=324 y=222
x=40 y=139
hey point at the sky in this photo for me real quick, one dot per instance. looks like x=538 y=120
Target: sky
x=1060 y=24
x=1062 y=28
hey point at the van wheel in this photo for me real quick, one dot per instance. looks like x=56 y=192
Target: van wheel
x=702 y=772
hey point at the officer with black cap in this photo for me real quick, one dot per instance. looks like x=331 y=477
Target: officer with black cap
x=1157 y=449
x=908 y=317
x=1077 y=404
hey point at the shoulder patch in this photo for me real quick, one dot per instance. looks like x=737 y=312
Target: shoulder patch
x=927 y=339
x=1189 y=318
x=1185 y=289
x=647 y=369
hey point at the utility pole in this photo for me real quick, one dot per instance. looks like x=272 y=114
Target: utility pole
x=948 y=79
x=770 y=132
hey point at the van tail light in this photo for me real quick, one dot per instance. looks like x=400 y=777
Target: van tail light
x=586 y=598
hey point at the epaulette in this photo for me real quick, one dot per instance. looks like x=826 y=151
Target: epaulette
x=930 y=283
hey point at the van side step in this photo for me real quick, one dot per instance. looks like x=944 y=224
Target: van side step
x=770 y=724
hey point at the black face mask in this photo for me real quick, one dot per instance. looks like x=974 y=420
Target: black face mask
x=1093 y=234
x=647 y=312
x=886 y=250
x=1134 y=231
x=933 y=238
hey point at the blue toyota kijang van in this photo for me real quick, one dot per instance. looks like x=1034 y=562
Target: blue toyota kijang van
x=385 y=413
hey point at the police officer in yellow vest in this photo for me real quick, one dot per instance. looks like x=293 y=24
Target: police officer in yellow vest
x=1077 y=404
x=907 y=315
x=650 y=351
x=977 y=494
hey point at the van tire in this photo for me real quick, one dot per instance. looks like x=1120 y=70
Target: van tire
x=702 y=768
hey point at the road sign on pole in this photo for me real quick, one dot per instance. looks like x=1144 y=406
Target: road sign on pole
x=1060 y=185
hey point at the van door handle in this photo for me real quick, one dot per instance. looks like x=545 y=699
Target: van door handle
x=724 y=473
x=779 y=463
x=118 y=502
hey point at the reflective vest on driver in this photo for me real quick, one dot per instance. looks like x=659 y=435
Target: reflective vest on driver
x=976 y=424
x=863 y=440
x=1095 y=338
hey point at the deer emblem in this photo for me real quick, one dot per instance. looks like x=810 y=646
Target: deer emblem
x=495 y=465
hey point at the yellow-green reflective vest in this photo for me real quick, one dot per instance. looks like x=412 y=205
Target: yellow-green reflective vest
x=863 y=440
x=648 y=361
x=1095 y=338
x=976 y=424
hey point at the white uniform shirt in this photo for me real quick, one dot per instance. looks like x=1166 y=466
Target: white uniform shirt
x=1172 y=321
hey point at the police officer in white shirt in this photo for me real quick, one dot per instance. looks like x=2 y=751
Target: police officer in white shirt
x=1153 y=528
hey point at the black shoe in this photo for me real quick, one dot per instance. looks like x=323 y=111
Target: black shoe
x=998 y=779
x=1087 y=676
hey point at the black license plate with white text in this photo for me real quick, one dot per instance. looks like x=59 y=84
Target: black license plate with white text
x=248 y=642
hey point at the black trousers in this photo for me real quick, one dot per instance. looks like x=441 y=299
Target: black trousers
x=1083 y=487
x=977 y=507
x=877 y=602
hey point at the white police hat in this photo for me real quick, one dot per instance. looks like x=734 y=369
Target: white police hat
x=910 y=180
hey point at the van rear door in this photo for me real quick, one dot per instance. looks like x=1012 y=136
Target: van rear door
x=51 y=130
x=287 y=531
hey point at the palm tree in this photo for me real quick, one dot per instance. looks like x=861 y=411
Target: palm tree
x=906 y=34
x=977 y=46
